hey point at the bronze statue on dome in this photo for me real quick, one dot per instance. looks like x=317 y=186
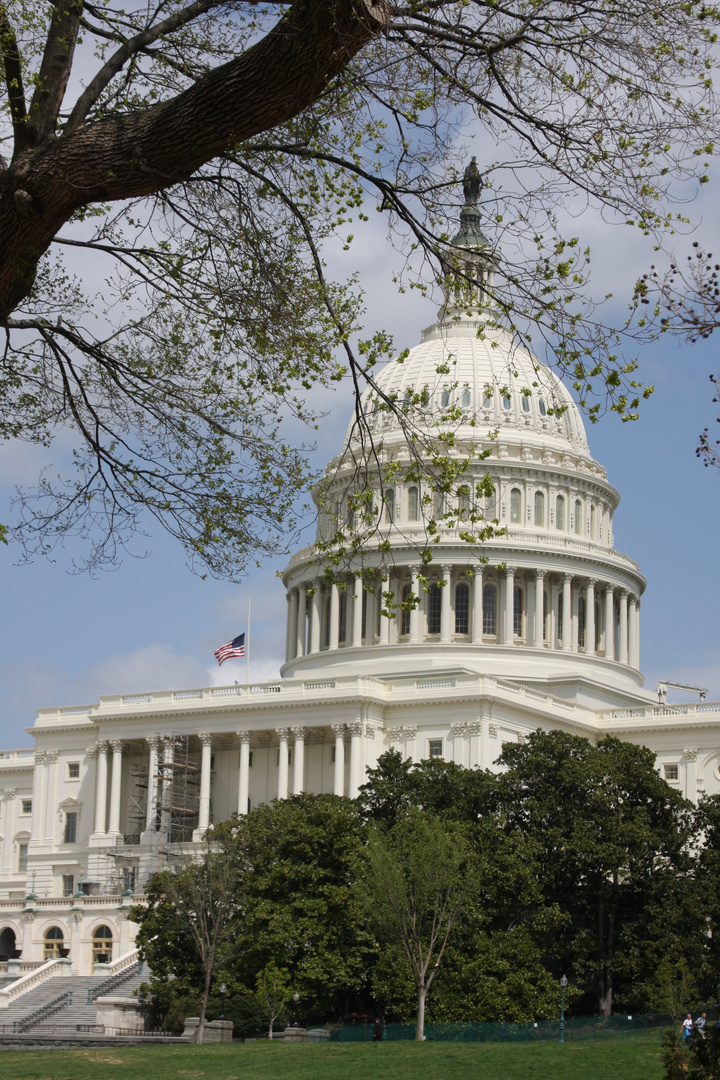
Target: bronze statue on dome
x=472 y=183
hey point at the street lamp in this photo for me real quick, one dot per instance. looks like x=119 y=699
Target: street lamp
x=296 y=998
x=563 y=984
x=223 y=992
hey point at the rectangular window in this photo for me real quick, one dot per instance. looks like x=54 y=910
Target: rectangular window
x=277 y=759
x=434 y=609
x=22 y=857
x=435 y=748
x=332 y=754
x=671 y=772
x=250 y=760
x=73 y=770
x=68 y=884
x=70 y=834
x=26 y=806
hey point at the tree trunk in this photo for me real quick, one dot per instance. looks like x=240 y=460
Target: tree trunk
x=120 y=157
x=420 y=1019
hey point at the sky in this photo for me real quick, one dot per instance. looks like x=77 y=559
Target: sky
x=152 y=624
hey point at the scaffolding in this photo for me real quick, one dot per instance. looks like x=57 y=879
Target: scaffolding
x=177 y=790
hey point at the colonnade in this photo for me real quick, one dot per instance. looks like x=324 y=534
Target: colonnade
x=548 y=609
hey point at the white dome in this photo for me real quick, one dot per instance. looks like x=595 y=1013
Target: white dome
x=497 y=385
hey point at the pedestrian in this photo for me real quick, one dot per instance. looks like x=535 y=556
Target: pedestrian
x=688 y=1026
x=700 y=1023
x=378 y=1030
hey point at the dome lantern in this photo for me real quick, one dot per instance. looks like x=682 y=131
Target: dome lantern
x=469 y=264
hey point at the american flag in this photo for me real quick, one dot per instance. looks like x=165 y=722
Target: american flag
x=236 y=647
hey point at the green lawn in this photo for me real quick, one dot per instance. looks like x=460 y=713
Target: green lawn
x=635 y=1059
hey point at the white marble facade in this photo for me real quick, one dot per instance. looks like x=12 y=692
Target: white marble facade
x=538 y=627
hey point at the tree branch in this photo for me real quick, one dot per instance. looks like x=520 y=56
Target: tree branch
x=54 y=70
x=13 y=75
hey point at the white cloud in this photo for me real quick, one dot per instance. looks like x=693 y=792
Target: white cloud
x=706 y=675
x=154 y=667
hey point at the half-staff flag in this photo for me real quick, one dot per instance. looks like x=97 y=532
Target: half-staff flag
x=236 y=647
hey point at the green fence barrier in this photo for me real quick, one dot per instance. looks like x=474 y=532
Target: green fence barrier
x=576 y=1028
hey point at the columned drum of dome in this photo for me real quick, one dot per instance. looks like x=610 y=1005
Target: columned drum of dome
x=551 y=588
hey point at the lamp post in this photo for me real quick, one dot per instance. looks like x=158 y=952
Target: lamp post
x=223 y=992
x=563 y=984
x=296 y=998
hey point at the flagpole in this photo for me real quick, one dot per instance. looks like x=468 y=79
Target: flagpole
x=247 y=645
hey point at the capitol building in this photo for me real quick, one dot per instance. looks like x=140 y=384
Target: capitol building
x=537 y=626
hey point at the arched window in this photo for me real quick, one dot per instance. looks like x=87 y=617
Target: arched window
x=517 y=611
x=444 y=399
x=489 y=610
x=487 y=398
x=438 y=505
x=54 y=942
x=363 y=629
x=342 y=630
x=546 y=616
x=462 y=608
x=542 y=407
x=560 y=512
x=490 y=509
x=597 y=626
x=434 y=608
x=578 y=517
x=525 y=403
x=7 y=943
x=413 y=504
x=466 y=399
x=515 y=506
x=405 y=616
x=102 y=945
x=539 y=509
x=581 y=622
x=592 y=522
x=464 y=503
x=326 y=634
x=560 y=621
x=389 y=505
x=507 y=403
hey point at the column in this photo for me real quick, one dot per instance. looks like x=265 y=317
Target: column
x=117 y=748
x=101 y=784
x=474 y=730
x=288 y=626
x=51 y=780
x=301 y=614
x=637 y=635
x=623 y=635
x=509 y=615
x=299 y=760
x=632 y=633
x=283 y=734
x=485 y=742
x=153 y=742
x=334 y=628
x=539 y=608
x=292 y=624
x=205 y=738
x=339 y=733
x=609 y=622
x=356 y=762
x=357 y=611
x=315 y=610
x=567 y=638
x=458 y=739
x=384 y=621
x=477 y=616
x=446 y=606
x=244 y=777
x=415 y=613
x=691 y=773
x=590 y=617
x=575 y=619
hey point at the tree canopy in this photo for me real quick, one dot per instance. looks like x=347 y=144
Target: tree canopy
x=176 y=175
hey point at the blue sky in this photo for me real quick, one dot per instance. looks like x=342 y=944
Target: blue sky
x=152 y=624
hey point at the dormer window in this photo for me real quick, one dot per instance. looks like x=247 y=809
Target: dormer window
x=525 y=403
x=445 y=399
x=542 y=407
x=466 y=399
x=507 y=403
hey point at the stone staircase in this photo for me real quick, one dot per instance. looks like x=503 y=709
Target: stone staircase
x=66 y=1014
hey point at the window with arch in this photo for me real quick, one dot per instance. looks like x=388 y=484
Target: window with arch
x=560 y=621
x=466 y=399
x=507 y=403
x=464 y=502
x=546 y=616
x=487 y=398
x=444 y=399
x=525 y=403
x=434 y=608
x=405 y=615
x=326 y=628
x=438 y=505
x=489 y=610
x=592 y=522
x=539 y=509
x=7 y=942
x=581 y=622
x=598 y=630
x=517 y=611
x=102 y=940
x=560 y=512
x=578 y=517
x=462 y=608
x=53 y=942
x=413 y=506
x=389 y=505
x=342 y=630
x=363 y=629
x=542 y=407
x=515 y=501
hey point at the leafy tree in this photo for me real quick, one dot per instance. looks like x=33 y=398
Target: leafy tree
x=274 y=990
x=441 y=787
x=417 y=883
x=197 y=158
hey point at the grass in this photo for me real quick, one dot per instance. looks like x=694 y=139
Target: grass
x=637 y=1058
